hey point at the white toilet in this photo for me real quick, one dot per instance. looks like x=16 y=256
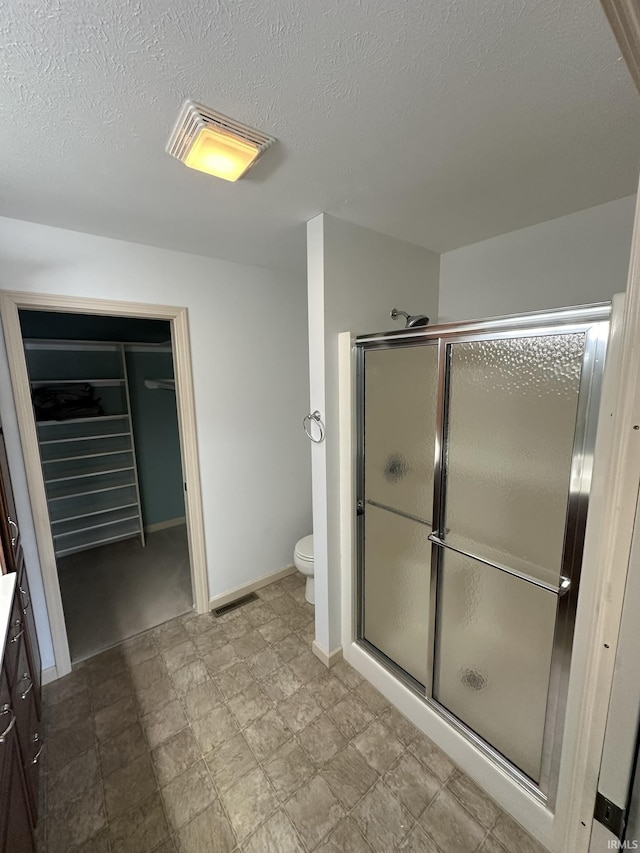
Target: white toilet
x=303 y=561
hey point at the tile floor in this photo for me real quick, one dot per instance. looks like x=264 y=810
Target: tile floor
x=207 y=735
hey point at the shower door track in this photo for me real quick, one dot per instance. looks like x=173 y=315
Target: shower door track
x=593 y=321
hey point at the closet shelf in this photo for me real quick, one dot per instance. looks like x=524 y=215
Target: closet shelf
x=93 y=513
x=83 y=545
x=82 y=420
x=84 y=438
x=77 y=457
x=96 y=382
x=89 y=463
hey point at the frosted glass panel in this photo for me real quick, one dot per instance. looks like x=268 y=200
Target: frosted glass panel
x=396 y=588
x=512 y=416
x=400 y=418
x=495 y=638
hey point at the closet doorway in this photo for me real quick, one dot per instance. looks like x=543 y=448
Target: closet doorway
x=104 y=401
x=108 y=438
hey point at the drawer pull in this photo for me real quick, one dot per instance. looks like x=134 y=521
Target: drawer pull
x=25 y=677
x=17 y=636
x=12 y=523
x=24 y=593
x=36 y=757
x=6 y=709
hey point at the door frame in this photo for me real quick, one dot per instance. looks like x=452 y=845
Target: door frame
x=10 y=304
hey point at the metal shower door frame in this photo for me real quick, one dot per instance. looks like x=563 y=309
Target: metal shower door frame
x=593 y=321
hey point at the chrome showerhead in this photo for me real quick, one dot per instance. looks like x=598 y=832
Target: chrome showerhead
x=412 y=321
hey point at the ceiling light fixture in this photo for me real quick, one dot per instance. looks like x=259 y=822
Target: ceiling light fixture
x=210 y=142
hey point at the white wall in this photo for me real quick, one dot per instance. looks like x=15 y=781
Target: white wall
x=573 y=260
x=250 y=371
x=355 y=277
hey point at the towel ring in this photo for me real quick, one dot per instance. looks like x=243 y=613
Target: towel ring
x=306 y=425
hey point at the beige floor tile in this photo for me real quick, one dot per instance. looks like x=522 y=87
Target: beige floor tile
x=178 y=656
x=174 y=756
x=76 y=822
x=141 y=829
x=433 y=758
x=492 y=845
x=189 y=676
x=382 y=820
x=233 y=680
x=412 y=784
x=512 y=836
x=378 y=746
x=230 y=761
x=201 y=700
x=418 y=842
x=122 y=749
x=299 y=710
x=129 y=785
x=248 y=644
x=398 y=724
x=288 y=769
x=71 y=781
x=107 y=692
x=349 y=776
x=170 y=634
x=138 y=649
x=250 y=705
x=214 y=728
x=321 y=740
x=156 y=696
x=451 y=827
x=266 y=734
x=350 y=715
x=115 y=719
x=347 y=674
x=249 y=802
x=372 y=698
x=69 y=743
x=208 y=832
x=473 y=798
x=98 y=844
x=147 y=673
x=162 y=724
x=263 y=663
x=276 y=835
x=260 y=613
x=314 y=811
x=290 y=647
x=282 y=683
x=345 y=838
x=275 y=630
x=327 y=690
x=187 y=795
x=306 y=666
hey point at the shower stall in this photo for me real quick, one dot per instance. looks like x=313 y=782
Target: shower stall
x=475 y=453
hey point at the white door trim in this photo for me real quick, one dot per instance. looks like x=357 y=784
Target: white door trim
x=10 y=303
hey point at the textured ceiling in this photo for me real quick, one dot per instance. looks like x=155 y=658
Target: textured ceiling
x=442 y=122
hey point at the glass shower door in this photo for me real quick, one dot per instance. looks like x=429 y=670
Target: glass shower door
x=400 y=397
x=502 y=542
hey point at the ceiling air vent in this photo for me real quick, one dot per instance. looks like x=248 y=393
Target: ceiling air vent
x=216 y=144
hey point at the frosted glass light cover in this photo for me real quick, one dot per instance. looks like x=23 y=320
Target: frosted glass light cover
x=396 y=588
x=494 y=645
x=400 y=419
x=512 y=418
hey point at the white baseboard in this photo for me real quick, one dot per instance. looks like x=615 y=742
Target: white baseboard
x=329 y=659
x=251 y=586
x=165 y=525
x=49 y=674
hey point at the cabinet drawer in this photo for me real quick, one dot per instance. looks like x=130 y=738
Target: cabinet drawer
x=14 y=641
x=23 y=596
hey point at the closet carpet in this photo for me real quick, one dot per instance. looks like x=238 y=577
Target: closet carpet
x=117 y=591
